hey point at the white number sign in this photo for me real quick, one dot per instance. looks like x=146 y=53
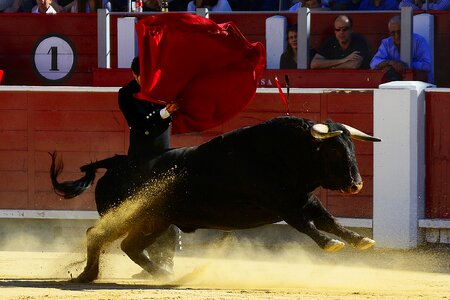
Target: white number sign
x=54 y=58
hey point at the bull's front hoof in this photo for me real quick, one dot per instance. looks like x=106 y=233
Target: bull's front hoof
x=364 y=244
x=333 y=246
x=83 y=278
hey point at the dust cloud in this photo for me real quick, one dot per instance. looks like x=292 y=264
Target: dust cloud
x=233 y=262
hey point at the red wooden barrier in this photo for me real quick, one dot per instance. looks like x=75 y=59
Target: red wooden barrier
x=437 y=155
x=85 y=125
x=297 y=78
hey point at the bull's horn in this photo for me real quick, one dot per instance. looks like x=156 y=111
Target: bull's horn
x=359 y=135
x=320 y=132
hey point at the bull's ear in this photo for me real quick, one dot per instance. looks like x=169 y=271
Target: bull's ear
x=321 y=132
x=359 y=135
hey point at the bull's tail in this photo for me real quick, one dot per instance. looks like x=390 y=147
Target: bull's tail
x=71 y=189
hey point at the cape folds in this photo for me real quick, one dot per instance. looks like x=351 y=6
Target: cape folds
x=210 y=70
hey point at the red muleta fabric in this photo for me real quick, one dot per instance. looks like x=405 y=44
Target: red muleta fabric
x=210 y=70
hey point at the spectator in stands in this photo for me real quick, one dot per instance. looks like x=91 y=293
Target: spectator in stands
x=388 y=55
x=212 y=5
x=345 y=50
x=288 y=59
x=421 y=4
x=43 y=7
x=378 y=5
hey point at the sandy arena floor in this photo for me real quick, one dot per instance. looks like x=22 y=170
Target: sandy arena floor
x=238 y=272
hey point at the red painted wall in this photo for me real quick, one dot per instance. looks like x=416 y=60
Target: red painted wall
x=86 y=126
x=81 y=29
x=437 y=155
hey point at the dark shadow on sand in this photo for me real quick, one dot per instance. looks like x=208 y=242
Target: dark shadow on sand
x=72 y=286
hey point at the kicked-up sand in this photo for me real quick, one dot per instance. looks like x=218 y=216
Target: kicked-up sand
x=237 y=271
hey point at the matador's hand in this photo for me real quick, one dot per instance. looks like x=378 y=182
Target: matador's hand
x=172 y=107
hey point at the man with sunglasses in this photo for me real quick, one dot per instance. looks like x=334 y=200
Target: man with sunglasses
x=345 y=50
x=388 y=55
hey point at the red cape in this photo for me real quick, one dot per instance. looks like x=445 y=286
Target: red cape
x=210 y=70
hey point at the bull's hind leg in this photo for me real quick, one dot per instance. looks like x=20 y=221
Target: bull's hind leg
x=324 y=221
x=97 y=236
x=137 y=240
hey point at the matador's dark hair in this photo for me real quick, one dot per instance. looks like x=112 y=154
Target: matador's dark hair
x=135 y=66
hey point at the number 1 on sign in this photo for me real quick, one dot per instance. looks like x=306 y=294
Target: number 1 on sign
x=54 y=53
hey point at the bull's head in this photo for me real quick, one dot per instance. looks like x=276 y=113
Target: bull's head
x=339 y=170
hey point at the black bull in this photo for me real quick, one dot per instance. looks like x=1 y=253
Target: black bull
x=246 y=178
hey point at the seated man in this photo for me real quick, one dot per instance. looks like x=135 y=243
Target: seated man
x=346 y=50
x=388 y=55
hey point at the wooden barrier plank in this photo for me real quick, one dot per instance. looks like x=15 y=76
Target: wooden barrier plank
x=13 y=200
x=13 y=100
x=437 y=155
x=48 y=200
x=25 y=45
x=79 y=121
x=41 y=24
x=79 y=141
x=355 y=101
x=360 y=207
x=79 y=101
x=13 y=120
x=13 y=140
x=13 y=181
x=13 y=160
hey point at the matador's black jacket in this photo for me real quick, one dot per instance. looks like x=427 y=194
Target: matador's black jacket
x=149 y=133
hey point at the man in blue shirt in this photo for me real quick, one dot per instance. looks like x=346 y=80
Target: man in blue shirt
x=388 y=55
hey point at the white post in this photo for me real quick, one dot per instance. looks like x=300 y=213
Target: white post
x=275 y=40
x=406 y=37
x=103 y=44
x=303 y=23
x=423 y=24
x=202 y=12
x=399 y=163
x=126 y=41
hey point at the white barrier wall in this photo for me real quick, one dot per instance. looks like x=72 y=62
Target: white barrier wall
x=399 y=163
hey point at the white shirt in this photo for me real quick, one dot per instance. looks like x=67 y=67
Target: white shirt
x=50 y=10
